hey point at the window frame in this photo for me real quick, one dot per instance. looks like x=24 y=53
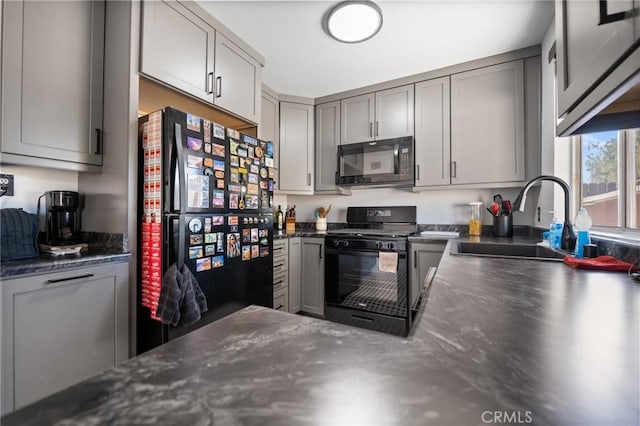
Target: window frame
x=625 y=231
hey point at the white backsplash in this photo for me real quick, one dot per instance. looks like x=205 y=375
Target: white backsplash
x=31 y=182
x=433 y=207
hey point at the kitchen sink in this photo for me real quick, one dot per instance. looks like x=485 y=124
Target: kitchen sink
x=509 y=250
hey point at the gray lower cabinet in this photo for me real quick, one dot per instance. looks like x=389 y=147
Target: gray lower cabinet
x=61 y=328
x=312 y=276
x=286 y=275
x=281 y=275
x=294 y=274
x=296 y=148
x=423 y=263
x=327 y=142
x=487 y=125
x=171 y=37
x=42 y=124
x=433 y=135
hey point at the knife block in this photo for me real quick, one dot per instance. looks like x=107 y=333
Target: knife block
x=290 y=224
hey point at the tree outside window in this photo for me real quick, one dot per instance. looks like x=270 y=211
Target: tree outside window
x=600 y=177
x=610 y=177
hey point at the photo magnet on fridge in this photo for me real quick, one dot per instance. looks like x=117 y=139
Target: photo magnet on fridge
x=206 y=124
x=203 y=264
x=218 y=131
x=193 y=122
x=218 y=261
x=194 y=144
x=195 y=252
x=246 y=252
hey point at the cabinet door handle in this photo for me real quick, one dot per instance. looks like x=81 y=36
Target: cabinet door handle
x=278 y=283
x=278 y=265
x=417 y=172
x=377 y=132
x=454 y=169
x=210 y=87
x=98 y=150
x=320 y=251
x=218 y=86
x=605 y=18
x=370 y=129
x=415 y=259
x=279 y=307
x=308 y=179
x=77 y=277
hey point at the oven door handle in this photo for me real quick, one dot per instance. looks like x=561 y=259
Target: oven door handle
x=331 y=250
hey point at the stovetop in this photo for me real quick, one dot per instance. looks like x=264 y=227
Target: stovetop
x=367 y=232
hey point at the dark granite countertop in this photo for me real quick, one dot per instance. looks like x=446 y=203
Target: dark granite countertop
x=56 y=263
x=532 y=342
x=279 y=235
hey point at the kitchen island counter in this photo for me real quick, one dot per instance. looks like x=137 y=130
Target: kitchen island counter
x=497 y=339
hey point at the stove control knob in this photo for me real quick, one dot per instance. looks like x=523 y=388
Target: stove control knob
x=345 y=243
x=336 y=243
x=245 y=220
x=261 y=220
x=266 y=220
x=391 y=246
x=379 y=245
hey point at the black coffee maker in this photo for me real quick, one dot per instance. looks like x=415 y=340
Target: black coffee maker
x=62 y=227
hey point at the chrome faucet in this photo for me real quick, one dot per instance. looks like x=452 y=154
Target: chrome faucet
x=568 y=241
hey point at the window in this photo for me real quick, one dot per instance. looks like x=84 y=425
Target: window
x=610 y=178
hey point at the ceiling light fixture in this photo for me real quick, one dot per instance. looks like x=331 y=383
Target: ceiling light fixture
x=353 y=21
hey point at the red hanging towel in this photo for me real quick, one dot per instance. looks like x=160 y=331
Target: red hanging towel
x=603 y=263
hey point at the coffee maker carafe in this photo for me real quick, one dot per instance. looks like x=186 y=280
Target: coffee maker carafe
x=62 y=217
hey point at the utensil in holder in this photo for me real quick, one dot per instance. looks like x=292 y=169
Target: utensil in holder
x=503 y=226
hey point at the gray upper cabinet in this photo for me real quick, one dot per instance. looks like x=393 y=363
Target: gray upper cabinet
x=61 y=328
x=382 y=115
x=52 y=87
x=180 y=48
x=589 y=42
x=394 y=113
x=312 y=276
x=269 y=129
x=433 y=137
x=238 y=80
x=487 y=125
x=357 y=119
x=327 y=141
x=177 y=48
x=296 y=148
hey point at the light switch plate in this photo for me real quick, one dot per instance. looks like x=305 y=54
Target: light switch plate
x=6 y=183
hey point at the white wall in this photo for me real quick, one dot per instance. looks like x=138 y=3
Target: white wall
x=434 y=207
x=31 y=182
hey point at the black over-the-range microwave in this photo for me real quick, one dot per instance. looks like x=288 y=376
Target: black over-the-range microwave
x=388 y=162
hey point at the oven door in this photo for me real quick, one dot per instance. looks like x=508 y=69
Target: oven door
x=354 y=279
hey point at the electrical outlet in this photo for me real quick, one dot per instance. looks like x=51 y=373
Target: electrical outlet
x=6 y=184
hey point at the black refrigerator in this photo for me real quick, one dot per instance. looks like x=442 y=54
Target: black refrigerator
x=205 y=202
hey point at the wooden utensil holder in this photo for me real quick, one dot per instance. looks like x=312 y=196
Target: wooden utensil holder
x=290 y=224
